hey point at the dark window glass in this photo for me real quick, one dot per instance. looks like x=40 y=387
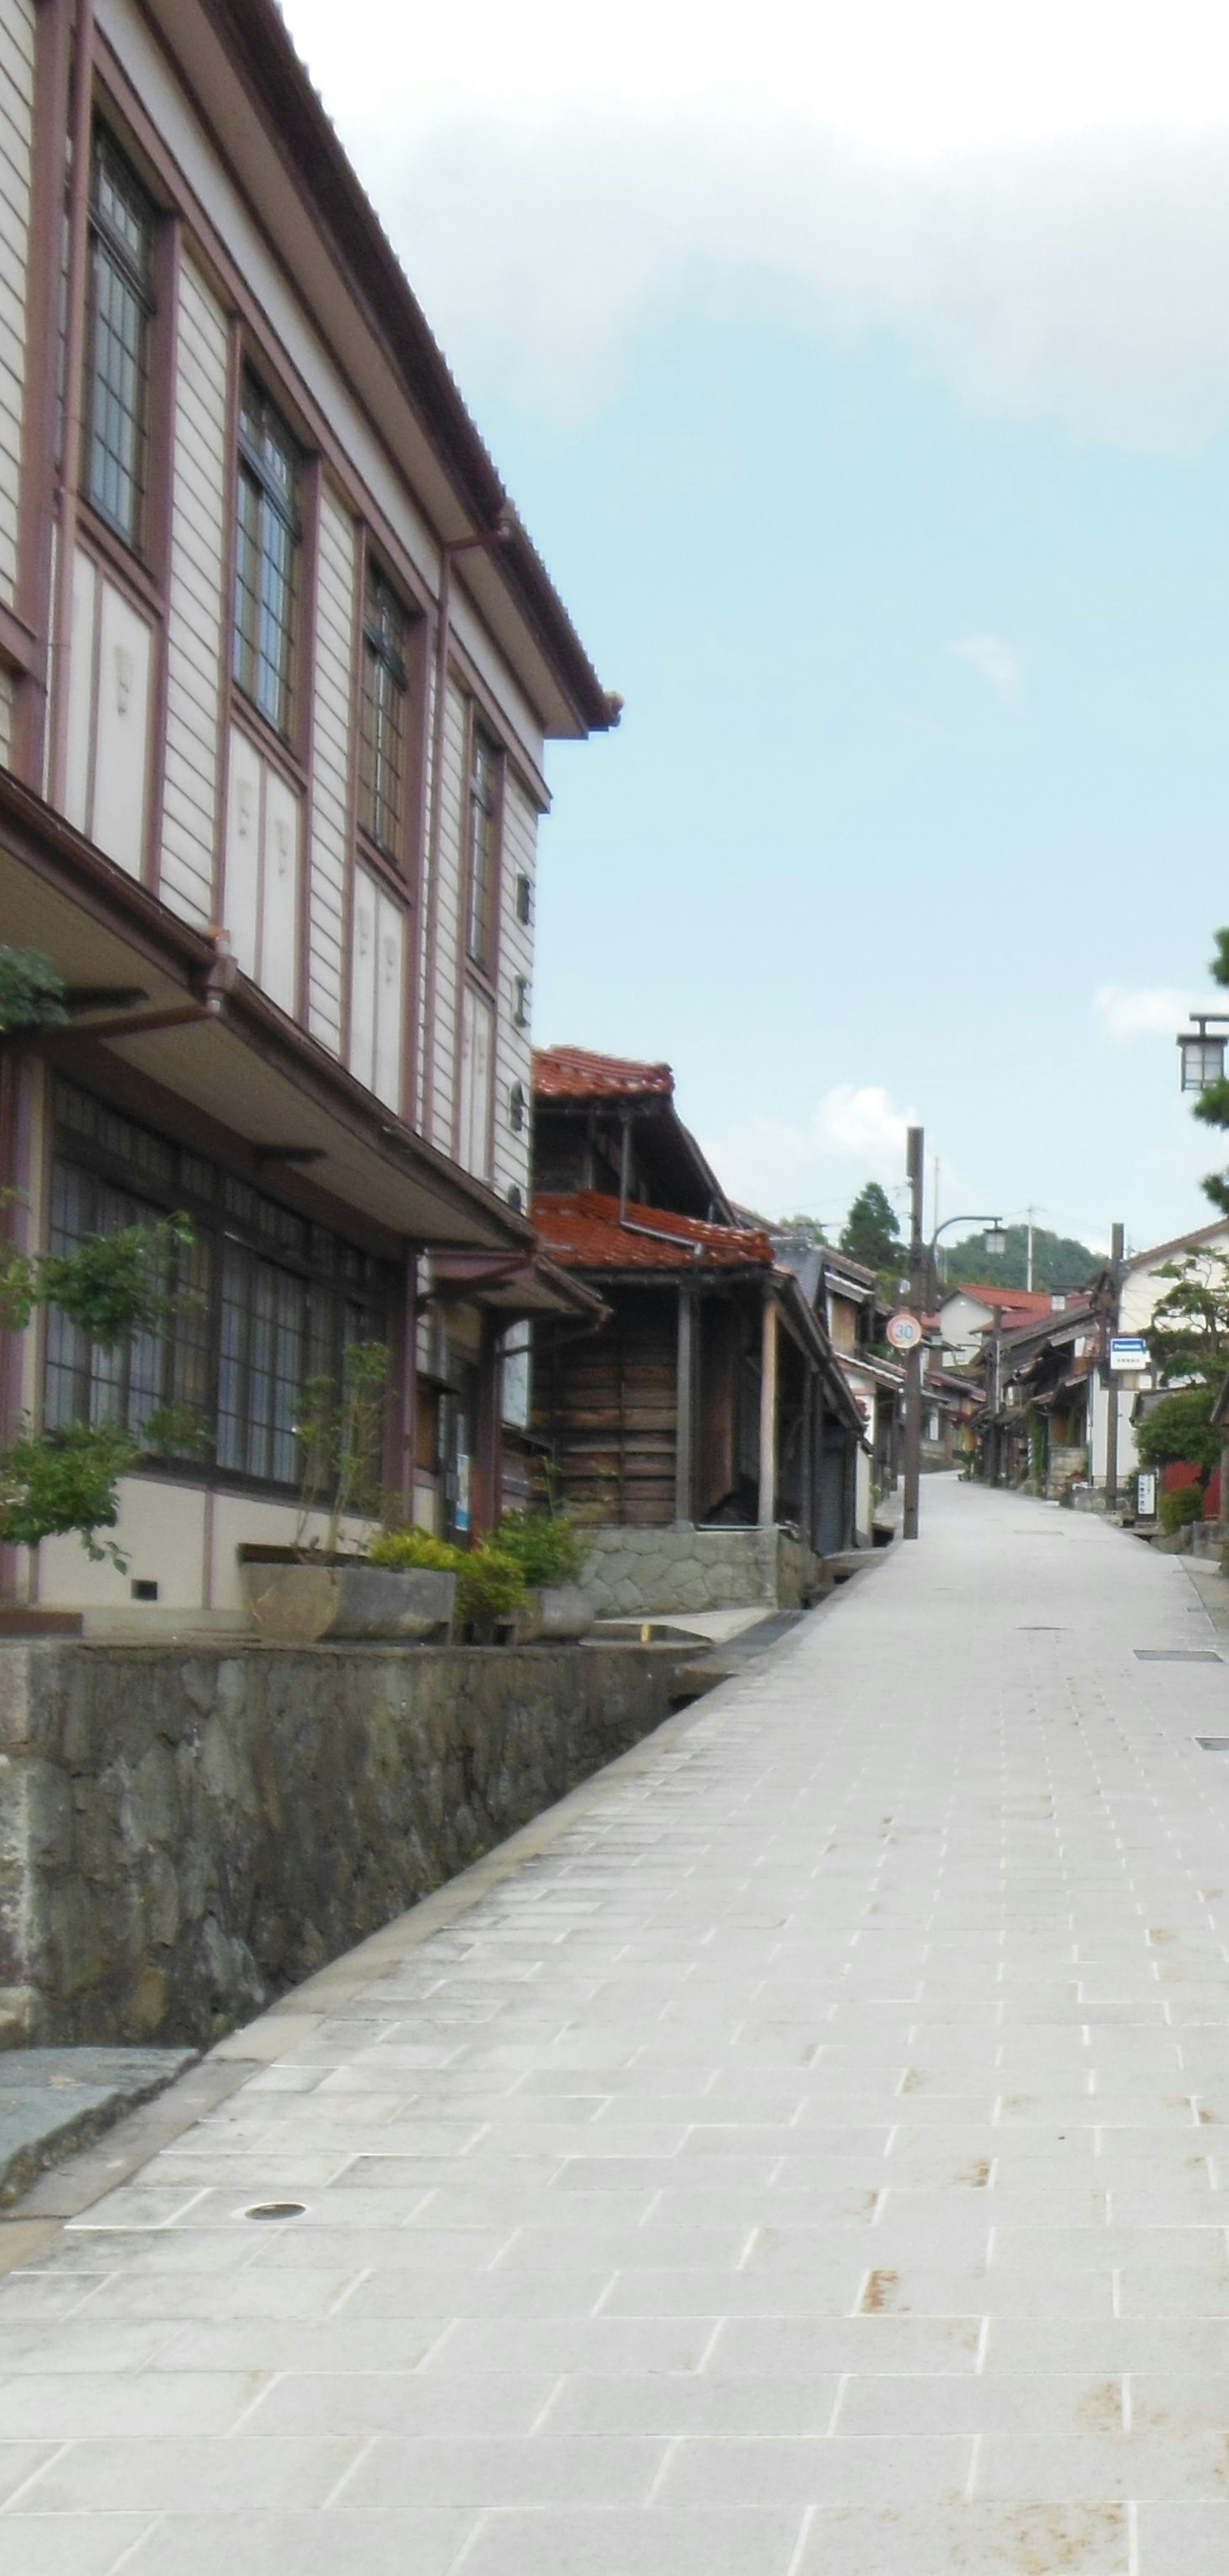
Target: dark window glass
x=152 y=1369
x=275 y=1298
x=117 y=362
x=385 y=707
x=483 y=781
x=266 y=552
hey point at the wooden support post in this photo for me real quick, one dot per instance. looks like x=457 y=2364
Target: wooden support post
x=768 y=1414
x=807 y=1449
x=488 y=1433
x=402 y=1417
x=684 y=1436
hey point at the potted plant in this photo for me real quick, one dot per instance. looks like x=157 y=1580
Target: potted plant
x=551 y=1556
x=490 y=1588
x=316 y=1588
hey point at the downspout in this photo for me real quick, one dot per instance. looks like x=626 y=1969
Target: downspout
x=499 y=535
x=74 y=381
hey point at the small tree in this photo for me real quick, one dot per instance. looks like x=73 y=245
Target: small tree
x=871 y=1232
x=340 y=1436
x=1212 y=1105
x=65 y=1480
x=1189 y=1333
x=1179 y=1431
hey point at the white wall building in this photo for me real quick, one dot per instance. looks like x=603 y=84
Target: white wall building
x=278 y=668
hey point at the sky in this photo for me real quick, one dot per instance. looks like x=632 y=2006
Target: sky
x=863 y=376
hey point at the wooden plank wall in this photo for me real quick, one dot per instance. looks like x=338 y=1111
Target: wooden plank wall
x=608 y=1407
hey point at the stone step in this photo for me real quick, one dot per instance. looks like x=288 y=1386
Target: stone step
x=54 y=2100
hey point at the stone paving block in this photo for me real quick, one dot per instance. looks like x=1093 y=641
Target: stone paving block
x=1183 y=2539
x=476 y=2472
x=182 y=2476
x=68 y=2545
x=422 y=2543
x=701 y=2543
x=976 y=2540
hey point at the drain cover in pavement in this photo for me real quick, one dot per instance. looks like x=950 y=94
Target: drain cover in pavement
x=1176 y=1655
x=1213 y=1743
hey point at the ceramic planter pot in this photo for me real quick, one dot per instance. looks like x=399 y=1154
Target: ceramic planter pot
x=559 y=1611
x=293 y=1602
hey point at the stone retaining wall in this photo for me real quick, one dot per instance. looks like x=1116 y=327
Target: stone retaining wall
x=642 y=1573
x=184 y=1835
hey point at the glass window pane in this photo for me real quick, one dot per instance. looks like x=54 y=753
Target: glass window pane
x=266 y=549
x=117 y=358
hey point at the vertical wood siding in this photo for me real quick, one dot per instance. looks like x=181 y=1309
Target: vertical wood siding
x=195 y=621
x=332 y=700
x=16 y=146
x=448 y=923
x=513 y=1061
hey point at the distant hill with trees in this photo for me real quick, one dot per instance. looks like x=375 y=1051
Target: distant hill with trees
x=1058 y=1260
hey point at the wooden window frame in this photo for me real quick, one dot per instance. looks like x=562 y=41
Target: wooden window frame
x=248 y=469
x=483 y=970
x=317 y=1261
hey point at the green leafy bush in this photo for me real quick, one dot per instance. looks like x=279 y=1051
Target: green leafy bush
x=56 y=1482
x=490 y=1584
x=544 y=1545
x=1177 y=1509
x=1180 y=1428
x=399 y=1547
x=490 y=1587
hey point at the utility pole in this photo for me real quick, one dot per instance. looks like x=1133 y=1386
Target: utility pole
x=1030 y=1214
x=916 y=1167
x=1117 y=1245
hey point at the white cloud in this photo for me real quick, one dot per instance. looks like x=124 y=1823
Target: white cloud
x=1036 y=200
x=778 y=1166
x=1123 y=1011
x=997 y=661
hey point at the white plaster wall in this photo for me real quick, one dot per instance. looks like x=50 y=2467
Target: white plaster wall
x=197 y=624
x=1142 y=1292
x=16 y=149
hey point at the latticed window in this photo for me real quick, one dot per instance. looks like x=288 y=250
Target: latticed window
x=266 y=551
x=482 y=810
x=272 y=1299
x=384 y=715
x=121 y=304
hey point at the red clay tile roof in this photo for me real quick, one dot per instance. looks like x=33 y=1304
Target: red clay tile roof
x=1023 y=1301
x=572 y=1073
x=580 y=1229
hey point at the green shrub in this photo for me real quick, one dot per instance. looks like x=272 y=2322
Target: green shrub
x=56 y=1482
x=415 y=1547
x=490 y=1587
x=1177 y=1509
x=490 y=1583
x=544 y=1545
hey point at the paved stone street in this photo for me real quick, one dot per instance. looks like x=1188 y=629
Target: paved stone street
x=804 y=2162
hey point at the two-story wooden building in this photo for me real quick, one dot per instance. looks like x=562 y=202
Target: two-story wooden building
x=711 y=1395
x=278 y=664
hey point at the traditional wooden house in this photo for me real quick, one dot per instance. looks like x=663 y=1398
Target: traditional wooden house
x=845 y=1294
x=711 y=1396
x=278 y=665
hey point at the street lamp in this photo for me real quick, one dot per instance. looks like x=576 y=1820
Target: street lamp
x=1202 y=1058
x=994 y=1240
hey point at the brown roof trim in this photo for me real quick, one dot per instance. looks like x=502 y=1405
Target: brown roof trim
x=259 y=45
x=42 y=841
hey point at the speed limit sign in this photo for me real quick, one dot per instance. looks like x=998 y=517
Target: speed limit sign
x=904 y=1331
